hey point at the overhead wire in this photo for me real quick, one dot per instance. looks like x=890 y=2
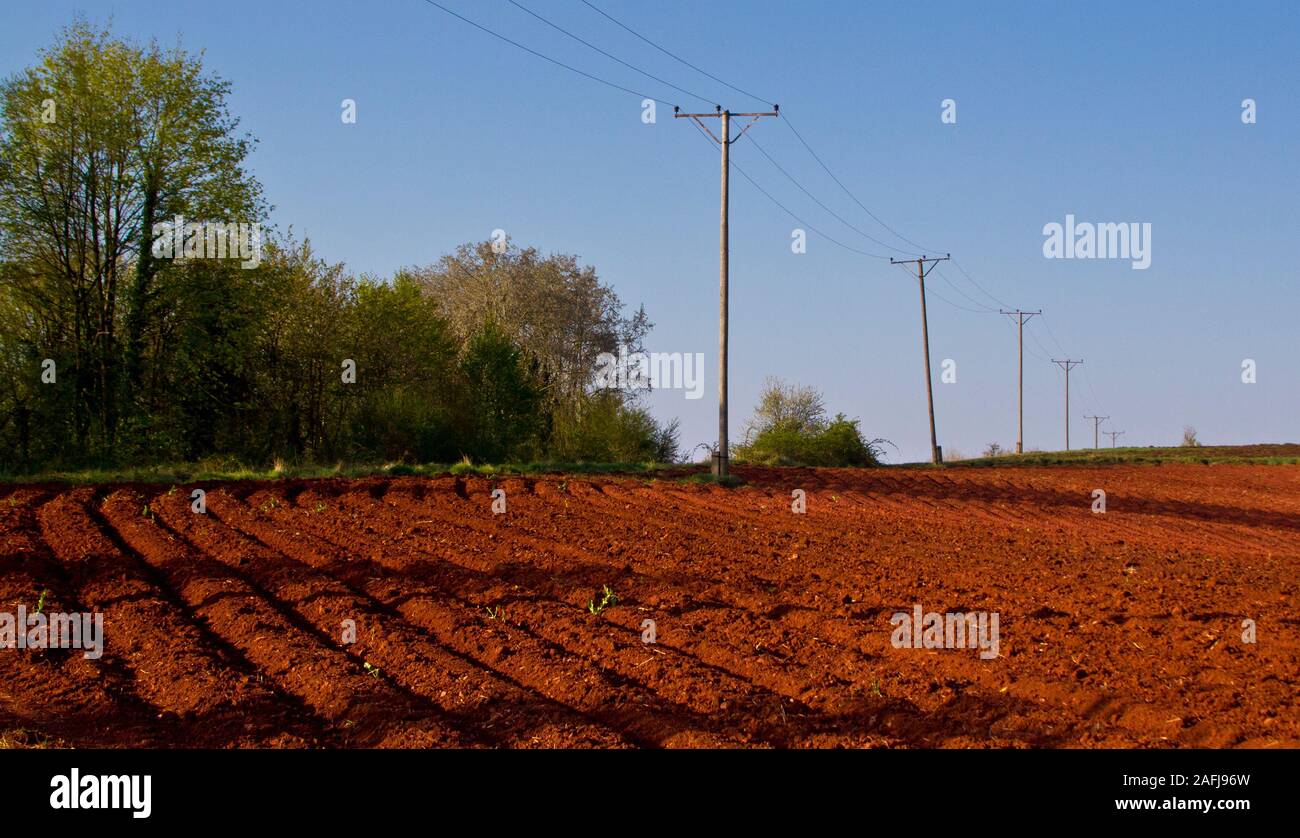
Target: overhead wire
x=608 y=55
x=545 y=57
x=983 y=309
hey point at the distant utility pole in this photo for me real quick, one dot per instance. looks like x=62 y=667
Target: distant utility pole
x=720 y=456
x=936 y=456
x=1067 y=365
x=1112 y=435
x=1021 y=317
x=1096 y=423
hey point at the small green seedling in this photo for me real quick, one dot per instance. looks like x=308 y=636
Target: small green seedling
x=495 y=613
x=40 y=603
x=371 y=669
x=608 y=598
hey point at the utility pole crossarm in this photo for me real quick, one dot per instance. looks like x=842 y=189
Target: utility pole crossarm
x=922 y=271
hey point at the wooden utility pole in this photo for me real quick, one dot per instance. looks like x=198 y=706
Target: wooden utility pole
x=720 y=457
x=1112 y=435
x=1021 y=317
x=1067 y=365
x=936 y=456
x=1096 y=423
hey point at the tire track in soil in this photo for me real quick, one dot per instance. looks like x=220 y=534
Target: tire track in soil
x=590 y=678
x=788 y=685
x=361 y=710
x=476 y=697
x=58 y=692
x=213 y=695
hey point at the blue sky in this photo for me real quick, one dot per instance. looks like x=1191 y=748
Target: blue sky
x=1109 y=111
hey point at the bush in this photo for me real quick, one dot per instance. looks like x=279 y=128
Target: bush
x=603 y=428
x=837 y=443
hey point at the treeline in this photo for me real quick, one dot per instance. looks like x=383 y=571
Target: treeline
x=113 y=351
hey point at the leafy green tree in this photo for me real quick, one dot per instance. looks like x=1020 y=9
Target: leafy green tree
x=96 y=139
x=562 y=312
x=504 y=399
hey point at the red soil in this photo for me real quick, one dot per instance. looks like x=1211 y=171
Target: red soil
x=1121 y=629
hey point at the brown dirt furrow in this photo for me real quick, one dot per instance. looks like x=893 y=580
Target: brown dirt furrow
x=58 y=692
x=211 y=693
x=697 y=689
x=423 y=594
x=1171 y=621
x=361 y=709
x=480 y=699
x=725 y=637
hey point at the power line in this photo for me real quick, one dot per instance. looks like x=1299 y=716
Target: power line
x=790 y=212
x=544 y=57
x=986 y=309
x=1087 y=379
x=819 y=203
x=977 y=285
x=761 y=150
x=1046 y=352
x=785 y=118
x=933 y=293
x=610 y=56
x=674 y=56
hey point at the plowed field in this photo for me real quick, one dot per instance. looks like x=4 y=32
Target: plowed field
x=405 y=612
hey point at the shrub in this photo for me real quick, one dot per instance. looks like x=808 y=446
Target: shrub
x=604 y=428
x=789 y=428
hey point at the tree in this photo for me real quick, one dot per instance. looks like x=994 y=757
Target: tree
x=560 y=311
x=96 y=140
x=503 y=397
x=789 y=406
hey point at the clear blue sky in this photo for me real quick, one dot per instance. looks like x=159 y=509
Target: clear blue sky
x=1110 y=111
